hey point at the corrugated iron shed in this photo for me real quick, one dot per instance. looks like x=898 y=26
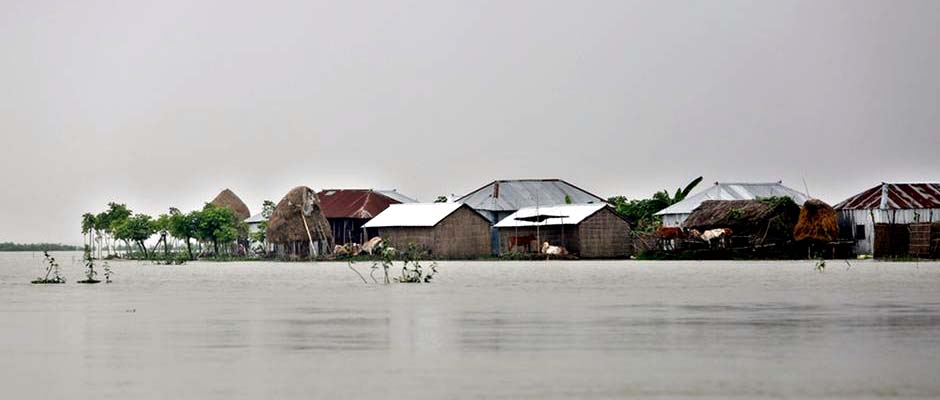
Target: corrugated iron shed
x=571 y=214
x=354 y=203
x=512 y=195
x=734 y=191
x=413 y=215
x=895 y=196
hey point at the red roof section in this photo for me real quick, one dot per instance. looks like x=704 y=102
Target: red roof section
x=353 y=203
x=898 y=196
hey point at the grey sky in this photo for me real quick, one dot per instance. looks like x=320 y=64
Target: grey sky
x=160 y=104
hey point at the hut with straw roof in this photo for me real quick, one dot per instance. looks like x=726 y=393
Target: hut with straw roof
x=760 y=221
x=297 y=228
x=818 y=222
x=230 y=200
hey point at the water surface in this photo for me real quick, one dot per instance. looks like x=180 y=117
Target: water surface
x=482 y=330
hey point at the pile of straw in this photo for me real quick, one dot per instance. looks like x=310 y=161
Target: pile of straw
x=298 y=218
x=818 y=222
x=229 y=200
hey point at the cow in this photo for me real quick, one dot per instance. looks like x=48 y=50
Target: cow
x=553 y=250
x=521 y=241
x=722 y=234
x=668 y=235
x=372 y=245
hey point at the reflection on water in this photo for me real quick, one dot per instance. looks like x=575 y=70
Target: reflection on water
x=482 y=330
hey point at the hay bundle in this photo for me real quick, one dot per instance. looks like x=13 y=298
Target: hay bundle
x=818 y=221
x=229 y=200
x=297 y=221
x=770 y=218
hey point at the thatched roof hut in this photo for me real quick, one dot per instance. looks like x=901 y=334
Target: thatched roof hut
x=297 y=227
x=230 y=200
x=764 y=219
x=818 y=222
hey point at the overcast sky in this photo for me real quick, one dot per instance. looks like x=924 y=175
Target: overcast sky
x=160 y=104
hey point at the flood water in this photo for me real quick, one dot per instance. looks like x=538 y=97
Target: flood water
x=481 y=330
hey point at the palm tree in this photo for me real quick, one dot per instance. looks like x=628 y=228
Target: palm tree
x=662 y=199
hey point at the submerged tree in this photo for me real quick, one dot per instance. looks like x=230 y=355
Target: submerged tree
x=183 y=227
x=137 y=228
x=217 y=225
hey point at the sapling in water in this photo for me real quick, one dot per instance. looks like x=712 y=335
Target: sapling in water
x=90 y=272
x=52 y=268
x=107 y=272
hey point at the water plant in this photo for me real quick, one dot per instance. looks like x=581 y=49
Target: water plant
x=90 y=272
x=821 y=264
x=412 y=271
x=52 y=268
x=107 y=272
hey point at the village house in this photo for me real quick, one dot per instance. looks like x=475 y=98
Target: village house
x=585 y=230
x=893 y=219
x=676 y=214
x=499 y=199
x=348 y=210
x=445 y=230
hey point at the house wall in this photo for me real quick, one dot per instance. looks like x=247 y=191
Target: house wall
x=604 y=235
x=868 y=219
x=674 y=220
x=463 y=234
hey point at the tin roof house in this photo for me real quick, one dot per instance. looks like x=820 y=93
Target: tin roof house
x=588 y=230
x=348 y=209
x=676 y=214
x=499 y=199
x=885 y=220
x=445 y=230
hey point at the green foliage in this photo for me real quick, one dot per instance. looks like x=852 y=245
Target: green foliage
x=567 y=199
x=90 y=272
x=267 y=209
x=183 y=227
x=52 y=268
x=640 y=213
x=412 y=271
x=217 y=225
x=136 y=228
x=10 y=246
x=441 y=199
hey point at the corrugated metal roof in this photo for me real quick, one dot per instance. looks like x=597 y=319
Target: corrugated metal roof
x=397 y=196
x=353 y=203
x=255 y=219
x=898 y=196
x=734 y=191
x=571 y=214
x=512 y=195
x=413 y=214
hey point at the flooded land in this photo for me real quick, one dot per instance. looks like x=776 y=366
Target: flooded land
x=510 y=330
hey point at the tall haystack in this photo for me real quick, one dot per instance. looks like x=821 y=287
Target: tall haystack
x=229 y=200
x=818 y=222
x=297 y=227
x=767 y=219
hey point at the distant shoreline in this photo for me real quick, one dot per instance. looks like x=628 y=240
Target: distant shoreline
x=27 y=247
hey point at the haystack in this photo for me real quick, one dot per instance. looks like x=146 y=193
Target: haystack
x=818 y=222
x=765 y=219
x=297 y=227
x=229 y=200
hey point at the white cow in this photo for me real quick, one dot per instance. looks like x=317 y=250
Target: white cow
x=553 y=250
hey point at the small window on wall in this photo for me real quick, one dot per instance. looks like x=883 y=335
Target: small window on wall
x=859 y=232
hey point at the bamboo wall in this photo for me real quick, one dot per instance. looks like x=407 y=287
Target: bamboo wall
x=604 y=235
x=463 y=234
